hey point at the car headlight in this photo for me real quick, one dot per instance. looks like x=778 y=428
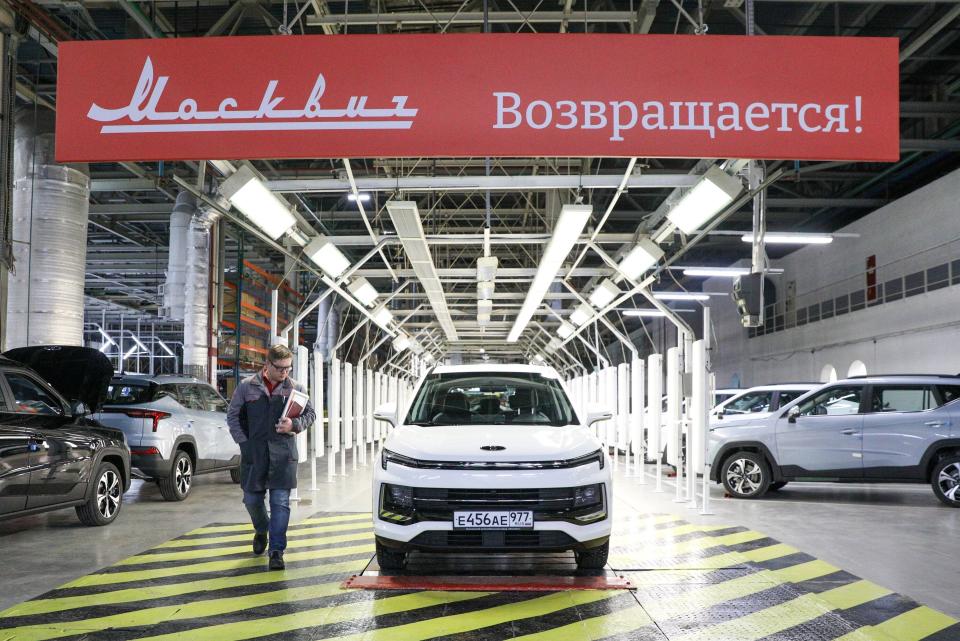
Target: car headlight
x=587 y=495
x=392 y=457
x=587 y=459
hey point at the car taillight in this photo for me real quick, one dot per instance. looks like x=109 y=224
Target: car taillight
x=155 y=415
x=146 y=451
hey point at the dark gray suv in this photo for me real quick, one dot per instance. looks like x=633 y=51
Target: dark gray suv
x=892 y=428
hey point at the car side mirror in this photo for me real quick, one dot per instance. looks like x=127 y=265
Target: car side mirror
x=721 y=412
x=387 y=412
x=793 y=413
x=79 y=408
x=597 y=413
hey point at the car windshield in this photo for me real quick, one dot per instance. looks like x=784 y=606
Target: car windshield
x=130 y=393
x=491 y=398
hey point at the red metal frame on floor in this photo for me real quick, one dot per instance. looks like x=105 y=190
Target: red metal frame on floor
x=488 y=583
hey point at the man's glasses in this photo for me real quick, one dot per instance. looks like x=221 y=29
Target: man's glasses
x=281 y=369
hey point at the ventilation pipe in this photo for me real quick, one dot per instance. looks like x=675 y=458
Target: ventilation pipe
x=196 y=316
x=50 y=207
x=175 y=286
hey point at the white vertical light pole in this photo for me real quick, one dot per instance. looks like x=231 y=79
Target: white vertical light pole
x=361 y=416
x=316 y=399
x=348 y=436
x=673 y=418
x=371 y=405
x=654 y=394
x=636 y=418
x=698 y=414
x=623 y=414
x=333 y=422
x=707 y=463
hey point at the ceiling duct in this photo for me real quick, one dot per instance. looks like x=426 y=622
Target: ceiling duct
x=406 y=220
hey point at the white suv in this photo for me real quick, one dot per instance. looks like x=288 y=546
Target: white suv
x=492 y=458
x=176 y=427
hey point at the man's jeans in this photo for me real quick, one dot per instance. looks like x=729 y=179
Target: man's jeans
x=279 y=517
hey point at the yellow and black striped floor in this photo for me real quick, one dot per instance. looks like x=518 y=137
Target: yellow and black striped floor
x=694 y=583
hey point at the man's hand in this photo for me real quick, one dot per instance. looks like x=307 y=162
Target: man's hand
x=284 y=426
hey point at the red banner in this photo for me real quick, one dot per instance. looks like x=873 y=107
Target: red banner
x=805 y=98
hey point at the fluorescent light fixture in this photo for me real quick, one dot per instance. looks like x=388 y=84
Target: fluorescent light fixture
x=250 y=196
x=106 y=336
x=604 y=294
x=483 y=351
x=778 y=238
x=538 y=359
x=680 y=296
x=104 y=347
x=165 y=348
x=715 y=190
x=382 y=317
x=130 y=351
x=722 y=272
x=487 y=268
x=364 y=198
x=485 y=289
x=565 y=330
x=581 y=314
x=644 y=313
x=553 y=345
x=138 y=342
x=363 y=291
x=327 y=256
x=641 y=258
x=485 y=307
x=565 y=234
x=401 y=342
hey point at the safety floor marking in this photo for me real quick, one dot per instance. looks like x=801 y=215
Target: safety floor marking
x=693 y=583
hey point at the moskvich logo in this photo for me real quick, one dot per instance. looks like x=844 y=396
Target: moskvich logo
x=141 y=113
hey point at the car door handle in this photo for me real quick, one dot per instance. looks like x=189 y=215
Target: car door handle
x=848 y=432
x=937 y=423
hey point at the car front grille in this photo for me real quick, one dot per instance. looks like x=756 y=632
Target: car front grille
x=449 y=500
x=494 y=539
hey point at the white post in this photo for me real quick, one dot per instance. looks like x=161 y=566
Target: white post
x=653 y=421
x=673 y=418
x=348 y=414
x=333 y=421
x=698 y=414
x=360 y=395
x=623 y=413
x=636 y=418
x=316 y=399
x=707 y=463
x=371 y=405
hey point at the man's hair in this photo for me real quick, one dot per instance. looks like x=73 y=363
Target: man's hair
x=278 y=353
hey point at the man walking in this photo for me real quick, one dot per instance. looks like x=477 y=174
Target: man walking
x=268 y=449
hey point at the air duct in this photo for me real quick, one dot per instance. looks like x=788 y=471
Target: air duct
x=50 y=207
x=196 y=309
x=175 y=286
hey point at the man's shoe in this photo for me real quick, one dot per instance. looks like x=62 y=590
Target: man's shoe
x=259 y=543
x=276 y=560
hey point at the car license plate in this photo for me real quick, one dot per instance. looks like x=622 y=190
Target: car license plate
x=493 y=520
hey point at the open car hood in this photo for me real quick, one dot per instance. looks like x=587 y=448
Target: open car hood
x=78 y=373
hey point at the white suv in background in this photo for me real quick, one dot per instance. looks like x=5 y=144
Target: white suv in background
x=758 y=402
x=492 y=458
x=176 y=427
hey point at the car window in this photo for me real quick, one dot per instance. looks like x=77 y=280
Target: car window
x=787 y=396
x=835 y=401
x=949 y=393
x=129 y=393
x=902 y=398
x=166 y=390
x=211 y=400
x=516 y=398
x=190 y=397
x=749 y=402
x=29 y=397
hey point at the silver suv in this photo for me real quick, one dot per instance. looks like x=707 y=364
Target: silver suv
x=176 y=427
x=893 y=428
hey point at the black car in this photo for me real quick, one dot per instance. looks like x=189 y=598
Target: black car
x=51 y=455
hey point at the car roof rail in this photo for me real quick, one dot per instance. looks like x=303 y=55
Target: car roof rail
x=912 y=375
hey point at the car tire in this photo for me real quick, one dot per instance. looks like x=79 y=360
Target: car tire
x=945 y=480
x=390 y=559
x=745 y=475
x=235 y=474
x=594 y=558
x=778 y=485
x=176 y=486
x=106 y=498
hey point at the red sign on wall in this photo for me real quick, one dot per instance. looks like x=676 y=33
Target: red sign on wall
x=806 y=98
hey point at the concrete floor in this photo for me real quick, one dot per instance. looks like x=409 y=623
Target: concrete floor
x=898 y=536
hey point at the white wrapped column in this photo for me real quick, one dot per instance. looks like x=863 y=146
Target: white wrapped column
x=653 y=418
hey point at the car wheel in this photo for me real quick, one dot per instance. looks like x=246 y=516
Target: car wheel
x=390 y=559
x=235 y=474
x=176 y=486
x=946 y=481
x=104 y=504
x=594 y=558
x=745 y=475
x=776 y=486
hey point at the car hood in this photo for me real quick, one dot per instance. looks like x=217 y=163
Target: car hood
x=78 y=373
x=519 y=443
